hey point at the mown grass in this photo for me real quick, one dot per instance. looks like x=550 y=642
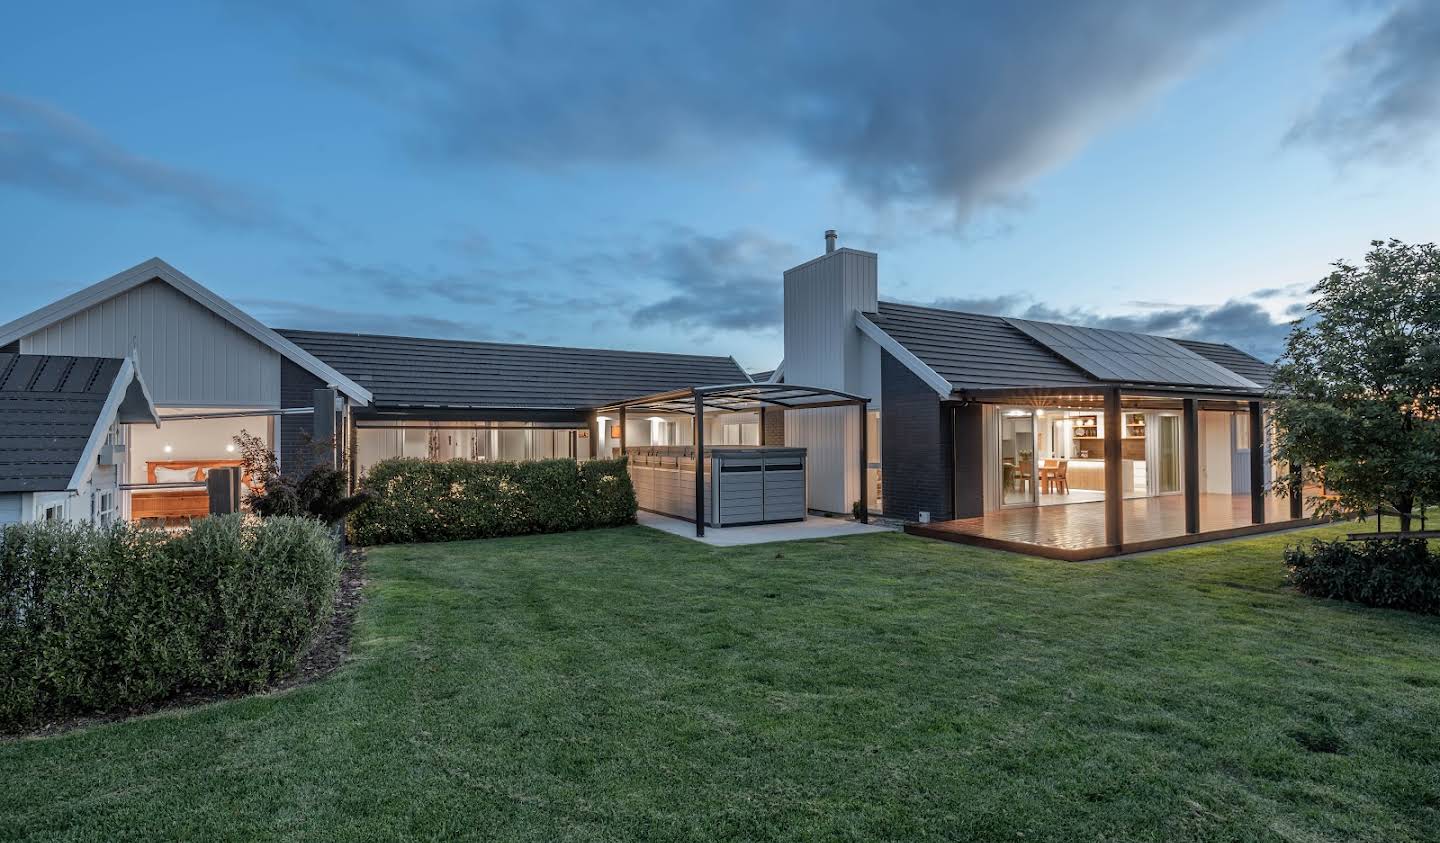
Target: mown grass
x=626 y=685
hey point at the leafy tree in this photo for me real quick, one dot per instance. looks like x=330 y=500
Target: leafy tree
x=317 y=489
x=1358 y=389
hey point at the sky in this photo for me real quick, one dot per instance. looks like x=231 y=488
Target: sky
x=639 y=175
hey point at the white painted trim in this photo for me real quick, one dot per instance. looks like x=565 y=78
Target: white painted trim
x=779 y=373
x=118 y=389
x=932 y=378
x=157 y=268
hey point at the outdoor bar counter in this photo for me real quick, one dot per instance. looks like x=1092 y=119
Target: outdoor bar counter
x=758 y=485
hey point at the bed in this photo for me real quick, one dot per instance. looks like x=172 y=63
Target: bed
x=177 y=506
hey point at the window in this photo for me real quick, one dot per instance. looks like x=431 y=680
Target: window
x=55 y=512
x=105 y=508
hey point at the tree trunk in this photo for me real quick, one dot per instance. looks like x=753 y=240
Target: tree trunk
x=1403 y=507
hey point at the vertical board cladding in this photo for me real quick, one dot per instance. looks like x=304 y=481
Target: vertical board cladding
x=916 y=445
x=189 y=355
x=295 y=434
x=822 y=345
x=831 y=439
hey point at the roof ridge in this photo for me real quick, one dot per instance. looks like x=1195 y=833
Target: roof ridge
x=492 y=343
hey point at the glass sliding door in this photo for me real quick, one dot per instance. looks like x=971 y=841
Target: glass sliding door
x=1017 y=457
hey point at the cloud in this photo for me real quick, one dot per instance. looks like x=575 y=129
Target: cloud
x=728 y=283
x=1242 y=323
x=1384 y=101
x=961 y=103
x=300 y=315
x=48 y=151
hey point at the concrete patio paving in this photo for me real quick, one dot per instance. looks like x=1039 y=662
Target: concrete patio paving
x=814 y=527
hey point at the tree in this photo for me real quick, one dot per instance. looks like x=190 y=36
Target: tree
x=317 y=489
x=1357 y=391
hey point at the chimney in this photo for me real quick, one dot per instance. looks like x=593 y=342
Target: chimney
x=829 y=241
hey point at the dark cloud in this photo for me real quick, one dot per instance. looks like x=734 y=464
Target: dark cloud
x=1240 y=322
x=960 y=102
x=1385 y=98
x=45 y=150
x=528 y=289
x=727 y=283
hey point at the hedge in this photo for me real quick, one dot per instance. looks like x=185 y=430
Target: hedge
x=416 y=500
x=101 y=619
x=1398 y=573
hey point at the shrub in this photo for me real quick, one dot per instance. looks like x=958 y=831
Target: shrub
x=413 y=500
x=315 y=488
x=1398 y=573
x=95 y=619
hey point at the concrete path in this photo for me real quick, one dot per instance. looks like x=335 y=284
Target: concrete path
x=813 y=527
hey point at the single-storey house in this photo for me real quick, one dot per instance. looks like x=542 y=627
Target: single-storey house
x=1062 y=439
x=60 y=444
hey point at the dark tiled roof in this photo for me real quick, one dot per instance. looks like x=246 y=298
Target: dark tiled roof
x=761 y=377
x=415 y=372
x=1233 y=359
x=49 y=406
x=974 y=350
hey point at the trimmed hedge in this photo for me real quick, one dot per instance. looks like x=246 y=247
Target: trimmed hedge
x=1396 y=573
x=99 y=619
x=416 y=500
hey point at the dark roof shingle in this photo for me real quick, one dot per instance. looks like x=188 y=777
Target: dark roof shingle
x=418 y=372
x=49 y=405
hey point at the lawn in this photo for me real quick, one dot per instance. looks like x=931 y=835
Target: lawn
x=625 y=684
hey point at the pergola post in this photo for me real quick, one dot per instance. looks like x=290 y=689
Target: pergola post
x=1257 y=464
x=1190 y=433
x=762 y=425
x=864 y=462
x=1114 y=486
x=622 y=431
x=1297 y=490
x=699 y=465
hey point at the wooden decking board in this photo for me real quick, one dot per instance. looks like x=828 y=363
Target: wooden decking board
x=1077 y=531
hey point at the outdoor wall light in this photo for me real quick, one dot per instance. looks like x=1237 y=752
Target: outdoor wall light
x=169 y=450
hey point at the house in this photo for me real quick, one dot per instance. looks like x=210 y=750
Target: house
x=1071 y=441
x=59 y=446
x=1057 y=439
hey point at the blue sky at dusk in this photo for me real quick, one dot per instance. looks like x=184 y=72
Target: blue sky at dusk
x=626 y=175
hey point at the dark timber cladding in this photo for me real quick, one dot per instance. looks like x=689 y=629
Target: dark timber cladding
x=49 y=406
x=408 y=372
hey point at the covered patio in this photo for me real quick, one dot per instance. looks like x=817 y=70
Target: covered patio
x=1181 y=509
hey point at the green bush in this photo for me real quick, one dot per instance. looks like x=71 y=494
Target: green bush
x=1396 y=573
x=97 y=619
x=413 y=500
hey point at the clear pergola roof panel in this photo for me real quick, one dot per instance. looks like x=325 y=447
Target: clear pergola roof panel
x=1125 y=357
x=739 y=397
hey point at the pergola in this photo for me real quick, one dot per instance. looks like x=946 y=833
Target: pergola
x=740 y=398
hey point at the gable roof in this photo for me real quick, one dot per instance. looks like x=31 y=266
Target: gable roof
x=1128 y=357
x=156 y=269
x=460 y=374
x=976 y=351
x=54 y=412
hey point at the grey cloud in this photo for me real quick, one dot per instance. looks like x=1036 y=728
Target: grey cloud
x=48 y=151
x=289 y=314
x=1385 y=98
x=959 y=102
x=726 y=283
x=528 y=289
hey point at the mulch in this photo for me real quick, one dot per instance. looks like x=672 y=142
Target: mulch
x=326 y=653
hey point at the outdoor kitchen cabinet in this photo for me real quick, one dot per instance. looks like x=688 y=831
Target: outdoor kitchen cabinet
x=756 y=485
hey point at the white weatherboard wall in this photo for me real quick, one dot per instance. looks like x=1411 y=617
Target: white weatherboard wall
x=189 y=357
x=824 y=348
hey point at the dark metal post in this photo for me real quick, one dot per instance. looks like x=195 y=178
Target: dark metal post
x=1257 y=464
x=762 y=425
x=324 y=425
x=864 y=463
x=699 y=465
x=1190 y=433
x=623 y=427
x=1297 y=490
x=1114 y=486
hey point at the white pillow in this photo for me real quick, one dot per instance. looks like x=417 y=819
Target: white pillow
x=174 y=475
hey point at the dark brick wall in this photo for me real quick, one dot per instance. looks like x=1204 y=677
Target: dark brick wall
x=969 y=460
x=915 y=439
x=297 y=388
